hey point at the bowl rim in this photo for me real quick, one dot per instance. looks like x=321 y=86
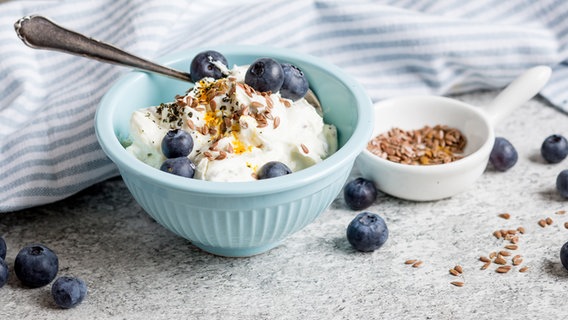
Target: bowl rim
x=478 y=155
x=126 y=162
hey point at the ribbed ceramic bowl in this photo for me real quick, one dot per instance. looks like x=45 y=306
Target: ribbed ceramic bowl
x=236 y=218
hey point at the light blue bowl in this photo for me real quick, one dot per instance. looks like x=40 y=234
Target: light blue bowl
x=238 y=218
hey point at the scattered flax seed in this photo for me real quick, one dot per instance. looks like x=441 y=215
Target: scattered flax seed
x=503 y=269
x=521 y=230
x=512 y=247
x=492 y=255
x=304 y=148
x=500 y=260
x=417 y=264
x=505 y=216
x=504 y=253
x=497 y=234
x=548 y=221
x=486 y=265
x=484 y=259
x=411 y=261
x=514 y=239
x=524 y=269
x=566 y=225
x=561 y=212
x=454 y=272
x=276 y=122
x=512 y=231
x=542 y=223
x=459 y=269
x=458 y=283
x=517 y=260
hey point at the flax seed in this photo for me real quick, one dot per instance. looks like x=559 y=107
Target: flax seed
x=484 y=259
x=542 y=223
x=492 y=255
x=511 y=247
x=276 y=122
x=521 y=230
x=458 y=283
x=256 y=104
x=524 y=269
x=514 y=240
x=506 y=216
x=454 y=272
x=304 y=148
x=485 y=265
x=497 y=234
x=500 y=260
x=458 y=268
x=517 y=260
x=503 y=269
x=566 y=225
x=411 y=261
x=504 y=253
x=548 y=221
x=561 y=212
x=417 y=264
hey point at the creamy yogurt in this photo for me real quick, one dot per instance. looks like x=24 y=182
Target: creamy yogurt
x=235 y=129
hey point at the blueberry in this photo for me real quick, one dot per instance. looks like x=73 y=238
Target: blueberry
x=181 y=166
x=562 y=183
x=203 y=66
x=295 y=84
x=36 y=265
x=177 y=143
x=3 y=272
x=503 y=155
x=564 y=255
x=273 y=169
x=359 y=194
x=554 y=148
x=68 y=291
x=367 y=232
x=265 y=74
x=2 y=248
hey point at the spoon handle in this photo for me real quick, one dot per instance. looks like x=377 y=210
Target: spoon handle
x=39 y=32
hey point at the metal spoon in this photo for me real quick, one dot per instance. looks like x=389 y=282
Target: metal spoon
x=39 y=32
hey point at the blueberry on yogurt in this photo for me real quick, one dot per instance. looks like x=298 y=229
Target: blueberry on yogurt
x=180 y=166
x=265 y=74
x=36 y=265
x=177 y=143
x=295 y=84
x=273 y=169
x=2 y=248
x=3 y=273
x=207 y=64
x=562 y=183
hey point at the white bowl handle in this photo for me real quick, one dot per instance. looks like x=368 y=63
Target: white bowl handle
x=521 y=90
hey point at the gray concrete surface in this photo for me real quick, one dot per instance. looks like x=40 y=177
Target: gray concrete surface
x=135 y=269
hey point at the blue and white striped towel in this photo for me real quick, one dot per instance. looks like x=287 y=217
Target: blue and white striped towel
x=393 y=47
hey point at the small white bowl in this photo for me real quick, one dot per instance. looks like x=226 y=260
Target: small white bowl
x=434 y=182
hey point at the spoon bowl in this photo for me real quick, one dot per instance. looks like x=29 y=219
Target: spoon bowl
x=434 y=182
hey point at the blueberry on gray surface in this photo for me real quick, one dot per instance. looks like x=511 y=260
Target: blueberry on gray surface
x=503 y=155
x=177 y=143
x=359 y=193
x=2 y=248
x=180 y=166
x=36 y=265
x=265 y=74
x=562 y=183
x=554 y=148
x=564 y=255
x=295 y=84
x=367 y=232
x=203 y=65
x=68 y=291
x=3 y=272
x=273 y=169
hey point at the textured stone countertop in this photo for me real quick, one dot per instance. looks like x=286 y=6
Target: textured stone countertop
x=135 y=269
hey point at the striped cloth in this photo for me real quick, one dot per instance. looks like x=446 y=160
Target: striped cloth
x=393 y=47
